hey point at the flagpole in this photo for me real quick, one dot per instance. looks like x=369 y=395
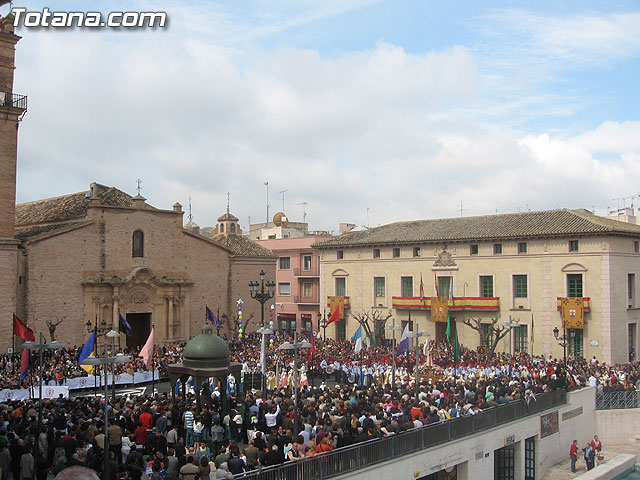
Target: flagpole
x=153 y=376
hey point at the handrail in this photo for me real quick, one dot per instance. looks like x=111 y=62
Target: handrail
x=617 y=399
x=347 y=459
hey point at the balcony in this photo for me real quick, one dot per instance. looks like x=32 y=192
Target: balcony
x=312 y=300
x=13 y=100
x=306 y=272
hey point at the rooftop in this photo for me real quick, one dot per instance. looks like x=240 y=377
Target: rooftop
x=241 y=246
x=546 y=223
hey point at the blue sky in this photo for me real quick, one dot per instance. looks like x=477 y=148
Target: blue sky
x=404 y=108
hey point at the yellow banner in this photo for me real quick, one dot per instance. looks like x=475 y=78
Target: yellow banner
x=572 y=312
x=440 y=309
x=339 y=302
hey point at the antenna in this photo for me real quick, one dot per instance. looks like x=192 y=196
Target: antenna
x=304 y=212
x=228 y=195
x=368 y=225
x=461 y=205
x=190 y=216
x=282 y=193
x=139 y=182
x=266 y=184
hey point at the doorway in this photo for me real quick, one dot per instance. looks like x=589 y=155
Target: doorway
x=632 y=342
x=504 y=465
x=140 y=329
x=441 y=329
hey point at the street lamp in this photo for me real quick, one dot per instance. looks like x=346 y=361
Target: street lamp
x=262 y=292
x=113 y=335
x=295 y=346
x=510 y=325
x=394 y=328
x=322 y=323
x=99 y=331
x=563 y=341
x=417 y=336
x=106 y=360
x=40 y=347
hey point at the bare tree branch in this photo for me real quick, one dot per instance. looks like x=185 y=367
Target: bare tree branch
x=497 y=332
x=52 y=328
x=373 y=323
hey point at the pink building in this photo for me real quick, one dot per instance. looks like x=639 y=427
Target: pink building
x=297 y=298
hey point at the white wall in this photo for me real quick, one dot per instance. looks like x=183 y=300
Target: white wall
x=549 y=451
x=614 y=427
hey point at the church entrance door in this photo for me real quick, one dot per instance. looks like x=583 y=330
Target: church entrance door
x=140 y=329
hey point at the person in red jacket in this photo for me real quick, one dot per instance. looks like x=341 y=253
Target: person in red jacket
x=573 y=454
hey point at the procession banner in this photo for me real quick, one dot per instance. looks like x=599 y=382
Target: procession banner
x=572 y=312
x=440 y=309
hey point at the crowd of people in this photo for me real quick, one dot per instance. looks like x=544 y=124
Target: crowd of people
x=160 y=436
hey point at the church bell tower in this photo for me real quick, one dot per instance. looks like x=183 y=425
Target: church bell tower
x=12 y=109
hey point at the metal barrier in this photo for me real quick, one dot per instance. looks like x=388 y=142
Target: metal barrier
x=618 y=399
x=355 y=457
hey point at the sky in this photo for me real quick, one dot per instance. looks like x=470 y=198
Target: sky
x=371 y=112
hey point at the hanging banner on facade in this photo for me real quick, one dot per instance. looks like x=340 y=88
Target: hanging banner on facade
x=572 y=312
x=440 y=309
x=339 y=302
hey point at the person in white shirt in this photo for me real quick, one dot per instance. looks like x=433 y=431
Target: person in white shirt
x=271 y=417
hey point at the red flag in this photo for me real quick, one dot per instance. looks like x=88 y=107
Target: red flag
x=21 y=330
x=335 y=316
x=421 y=289
x=312 y=341
x=147 y=351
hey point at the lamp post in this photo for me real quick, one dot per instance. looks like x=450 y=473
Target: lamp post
x=262 y=292
x=417 y=334
x=510 y=325
x=394 y=328
x=40 y=347
x=322 y=323
x=563 y=341
x=106 y=360
x=296 y=347
x=99 y=331
x=113 y=335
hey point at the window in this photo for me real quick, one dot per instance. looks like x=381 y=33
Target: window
x=520 y=339
x=575 y=343
x=271 y=237
x=285 y=263
x=406 y=286
x=474 y=249
x=341 y=287
x=444 y=286
x=233 y=228
x=222 y=228
x=487 y=332
x=306 y=262
x=486 y=286
x=636 y=246
x=396 y=253
x=378 y=286
x=497 y=249
x=631 y=287
x=416 y=251
x=340 y=254
x=284 y=288
x=574 y=285
x=522 y=247
x=520 y=286
x=376 y=253
x=307 y=289
x=138 y=244
x=573 y=245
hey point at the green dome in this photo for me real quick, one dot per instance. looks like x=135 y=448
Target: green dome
x=206 y=351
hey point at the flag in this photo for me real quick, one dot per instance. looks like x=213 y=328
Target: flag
x=312 y=341
x=456 y=345
x=88 y=350
x=211 y=317
x=357 y=337
x=421 y=290
x=435 y=278
x=25 y=361
x=124 y=325
x=448 y=331
x=335 y=316
x=403 y=346
x=147 y=351
x=21 y=330
x=532 y=330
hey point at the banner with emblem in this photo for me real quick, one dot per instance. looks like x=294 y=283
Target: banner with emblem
x=339 y=302
x=572 y=312
x=440 y=309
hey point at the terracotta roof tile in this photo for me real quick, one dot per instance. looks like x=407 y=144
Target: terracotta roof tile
x=506 y=226
x=241 y=246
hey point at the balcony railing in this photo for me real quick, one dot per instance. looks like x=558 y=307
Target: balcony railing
x=306 y=272
x=616 y=400
x=349 y=459
x=315 y=298
x=13 y=100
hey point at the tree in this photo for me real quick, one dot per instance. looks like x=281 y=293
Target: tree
x=52 y=328
x=232 y=324
x=496 y=332
x=373 y=324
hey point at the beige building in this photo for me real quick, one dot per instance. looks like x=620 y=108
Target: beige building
x=511 y=266
x=101 y=252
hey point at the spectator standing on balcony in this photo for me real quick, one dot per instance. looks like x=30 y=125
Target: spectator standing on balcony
x=573 y=455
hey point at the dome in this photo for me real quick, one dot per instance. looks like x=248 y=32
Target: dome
x=206 y=351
